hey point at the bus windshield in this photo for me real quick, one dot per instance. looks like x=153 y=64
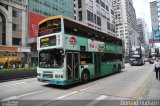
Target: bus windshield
x=51 y=26
x=53 y=58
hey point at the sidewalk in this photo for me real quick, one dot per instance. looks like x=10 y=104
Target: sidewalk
x=153 y=90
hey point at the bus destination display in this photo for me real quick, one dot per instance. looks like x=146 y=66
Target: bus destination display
x=48 y=41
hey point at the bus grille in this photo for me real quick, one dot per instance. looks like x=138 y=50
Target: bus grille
x=48 y=75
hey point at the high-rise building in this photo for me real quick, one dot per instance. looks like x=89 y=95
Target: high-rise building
x=126 y=22
x=143 y=31
x=40 y=9
x=98 y=14
x=13 y=31
x=155 y=19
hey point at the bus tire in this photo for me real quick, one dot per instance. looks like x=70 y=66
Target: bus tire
x=114 y=70
x=85 y=77
x=119 y=68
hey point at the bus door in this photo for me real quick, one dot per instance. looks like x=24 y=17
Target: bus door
x=97 y=64
x=72 y=65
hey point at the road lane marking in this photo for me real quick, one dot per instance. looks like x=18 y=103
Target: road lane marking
x=27 y=94
x=100 y=98
x=61 y=97
x=140 y=91
x=13 y=84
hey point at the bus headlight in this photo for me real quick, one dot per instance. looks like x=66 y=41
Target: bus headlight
x=58 y=76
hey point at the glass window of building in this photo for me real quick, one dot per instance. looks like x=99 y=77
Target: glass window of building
x=95 y=19
x=17 y=14
x=107 y=8
x=80 y=15
x=98 y=8
x=102 y=4
x=112 y=12
x=16 y=27
x=108 y=26
x=91 y=4
x=16 y=41
x=79 y=3
x=90 y=16
x=98 y=21
x=97 y=1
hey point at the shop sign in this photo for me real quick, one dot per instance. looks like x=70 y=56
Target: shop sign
x=11 y=54
x=6 y=48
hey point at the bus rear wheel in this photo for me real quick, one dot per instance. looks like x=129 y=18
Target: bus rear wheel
x=119 y=68
x=85 y=76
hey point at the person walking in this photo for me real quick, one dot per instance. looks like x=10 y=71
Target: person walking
x=157 y=67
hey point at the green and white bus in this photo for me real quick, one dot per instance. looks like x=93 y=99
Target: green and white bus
x=71 y=52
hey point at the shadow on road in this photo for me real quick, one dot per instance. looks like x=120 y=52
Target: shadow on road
x=77 y=84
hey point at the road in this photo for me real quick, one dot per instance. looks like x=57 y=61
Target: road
x=130 y=84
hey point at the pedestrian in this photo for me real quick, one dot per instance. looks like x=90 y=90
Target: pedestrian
x=157 y=67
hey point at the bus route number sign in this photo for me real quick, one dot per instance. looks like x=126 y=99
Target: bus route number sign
x=48 y=41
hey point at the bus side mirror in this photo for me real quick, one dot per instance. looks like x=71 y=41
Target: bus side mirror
x=62 y=52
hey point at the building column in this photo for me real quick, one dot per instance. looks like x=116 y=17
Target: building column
x=24 y=28
x=9 y=28
x=1 y=30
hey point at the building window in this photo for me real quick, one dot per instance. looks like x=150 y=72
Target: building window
x=97 y=1
x=17 y=14
x=91 y=4
x=107 y=8
x=90 y=16
x=16 y=27
x=16 y=41
x=98 y=21
x=102 y=4
x=108 y=26
x=95 y=19
x=80 y=15
x=103 y=13
x=112 y=12
x=79 y=3
x=98 y=9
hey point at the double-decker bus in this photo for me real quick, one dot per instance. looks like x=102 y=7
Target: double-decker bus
x=71 y=52
x=137 y=55
x=153 y=53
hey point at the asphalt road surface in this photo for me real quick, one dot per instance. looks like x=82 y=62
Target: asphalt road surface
x=130 y=84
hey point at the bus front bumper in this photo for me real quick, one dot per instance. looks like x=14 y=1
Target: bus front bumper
x=52 y=81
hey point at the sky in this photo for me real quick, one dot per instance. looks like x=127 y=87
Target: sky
x=142 y=8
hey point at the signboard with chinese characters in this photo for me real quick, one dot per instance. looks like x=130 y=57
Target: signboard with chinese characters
x=34 y=19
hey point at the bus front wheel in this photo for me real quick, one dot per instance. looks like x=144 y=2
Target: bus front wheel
x=85 y=76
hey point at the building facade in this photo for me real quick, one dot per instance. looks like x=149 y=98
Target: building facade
x=40 y=9
x=155 y=19
x=13 y=31
x=125 y=19
x=98 y=14
x=143 y=31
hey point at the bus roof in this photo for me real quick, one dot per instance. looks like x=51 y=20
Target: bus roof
x=60 y=16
